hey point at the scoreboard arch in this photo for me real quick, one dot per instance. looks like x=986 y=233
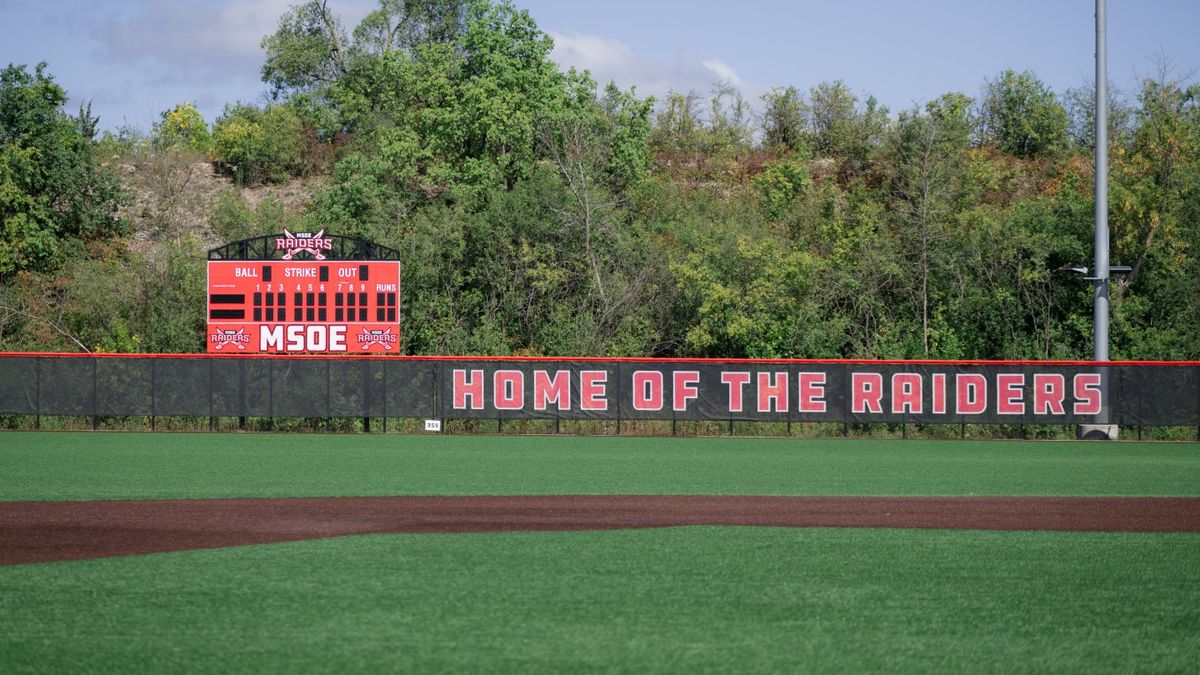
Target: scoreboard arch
x=303 y=293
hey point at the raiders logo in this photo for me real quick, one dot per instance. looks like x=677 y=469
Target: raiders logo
x=223 y=337
x=376 y=336
x=304 y=242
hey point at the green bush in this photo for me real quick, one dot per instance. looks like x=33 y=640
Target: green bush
x=233 y=219
x=781 y=184
x=53 y=190
x=182 y=127
x=258 y=146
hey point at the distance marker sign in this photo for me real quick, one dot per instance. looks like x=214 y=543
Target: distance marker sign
x=292 y=306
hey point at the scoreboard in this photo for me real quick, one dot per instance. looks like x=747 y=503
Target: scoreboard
x=292 y=306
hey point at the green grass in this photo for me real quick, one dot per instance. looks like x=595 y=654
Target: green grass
x=55 y=466
x=674 y=600
x=667 y=600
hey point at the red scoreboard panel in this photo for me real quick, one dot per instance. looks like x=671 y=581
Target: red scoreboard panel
x=337 y=306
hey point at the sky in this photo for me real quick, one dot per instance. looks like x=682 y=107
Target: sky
x=133 y=59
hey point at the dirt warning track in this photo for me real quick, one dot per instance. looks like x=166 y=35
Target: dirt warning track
x=51 y=531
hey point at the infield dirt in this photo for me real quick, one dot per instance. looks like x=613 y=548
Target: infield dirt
x=32 y=532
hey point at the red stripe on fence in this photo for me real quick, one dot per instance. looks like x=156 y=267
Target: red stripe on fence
x=597 y=359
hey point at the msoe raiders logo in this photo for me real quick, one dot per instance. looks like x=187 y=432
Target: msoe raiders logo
x=303 y=242
x=224 y=337
x=375 y=336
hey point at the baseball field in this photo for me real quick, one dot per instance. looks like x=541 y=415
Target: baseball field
x=143 y=552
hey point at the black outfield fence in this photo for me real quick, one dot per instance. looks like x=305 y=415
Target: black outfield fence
x=922 y=392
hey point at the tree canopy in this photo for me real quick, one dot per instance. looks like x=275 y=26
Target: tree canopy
x=540 y=212
x=52 y=191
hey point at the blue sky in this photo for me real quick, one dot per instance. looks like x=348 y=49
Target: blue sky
x=136 y=58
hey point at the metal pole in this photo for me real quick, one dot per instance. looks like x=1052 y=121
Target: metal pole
x=95 y=417
x=37 y=414
x=153 y=395
x=1100 y=303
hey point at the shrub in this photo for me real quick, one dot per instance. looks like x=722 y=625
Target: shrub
x=182 y=127
x=781 y=184
x=258 y=146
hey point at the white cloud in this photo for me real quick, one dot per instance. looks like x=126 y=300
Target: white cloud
x=240 y=26
x=723 y=72
x=613 y=60
x=180 y=50
x=188 y=41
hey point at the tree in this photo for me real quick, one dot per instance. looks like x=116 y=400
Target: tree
x=507 y=83
x=678 y=126
x=1022 y=116
x=833 y=112
x=728 y=120
x=1081 y=111
x=598 y=148
x=782 y=183
x=307 y=50
x=453 y=120
x=255 y=145
x=757 y=299
x=310 y=50
x=785 y=118
x=928 y=151
x=841 y=129
x=1155 y=220
x=52 y=189
x=182 y=127
x=406 y=24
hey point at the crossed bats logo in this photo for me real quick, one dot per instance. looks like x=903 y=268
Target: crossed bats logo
x=375 y=336
x=293 y=244
x=230 y=337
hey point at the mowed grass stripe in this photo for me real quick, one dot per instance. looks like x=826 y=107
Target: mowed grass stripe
x=696 y=599
x=69 y=466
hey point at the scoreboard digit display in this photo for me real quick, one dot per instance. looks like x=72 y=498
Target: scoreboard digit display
x=293 y=306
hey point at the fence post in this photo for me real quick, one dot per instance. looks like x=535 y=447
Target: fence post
x=153 y=393
x=845 y=374
x=436 y=394
x=328 y=376
x=241 y=395
x=212 y=422
x=366 y=380
x=793 y=378
x=37 y=396
x=620 y=381
x=95 y=417
x=271 y=394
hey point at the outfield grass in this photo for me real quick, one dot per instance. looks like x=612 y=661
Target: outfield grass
x=56 y=466
x=665 y=600
x=681 y=600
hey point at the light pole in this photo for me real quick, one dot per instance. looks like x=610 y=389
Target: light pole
x=1102 y=427
x=1100 y=297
